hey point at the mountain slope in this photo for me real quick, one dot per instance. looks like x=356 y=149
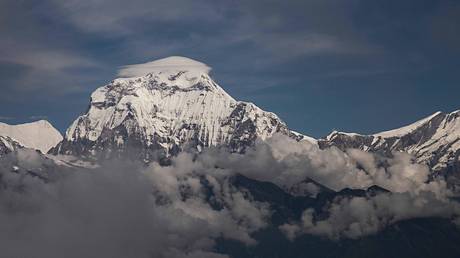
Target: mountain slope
x=434 y=140
x=40 y=135
x=175 y=105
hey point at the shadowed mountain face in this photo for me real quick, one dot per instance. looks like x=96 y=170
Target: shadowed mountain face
x=428 y=237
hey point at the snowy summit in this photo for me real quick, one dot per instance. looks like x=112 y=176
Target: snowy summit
x=39 y=135
x=170 y=104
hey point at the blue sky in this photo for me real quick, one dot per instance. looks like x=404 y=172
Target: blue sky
x=355 y=65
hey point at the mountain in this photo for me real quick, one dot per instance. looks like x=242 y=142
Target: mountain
x=39 y=135
x=434 y=140
x=173 y=105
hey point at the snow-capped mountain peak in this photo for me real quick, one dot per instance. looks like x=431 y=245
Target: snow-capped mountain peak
x=40 y=135
x=174 y=104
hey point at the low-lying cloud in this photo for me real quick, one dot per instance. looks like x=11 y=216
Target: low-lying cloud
x=354 y=217
x=132 y=210
x=120 y=211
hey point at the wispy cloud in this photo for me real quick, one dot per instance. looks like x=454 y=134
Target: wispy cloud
x=6 y=118
x=120 y=17
x=44 y=68
x=39 y=117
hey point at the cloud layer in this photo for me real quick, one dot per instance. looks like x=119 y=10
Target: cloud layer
x=127 y=209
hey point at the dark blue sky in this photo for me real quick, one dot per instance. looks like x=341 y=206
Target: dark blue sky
x=355 y=65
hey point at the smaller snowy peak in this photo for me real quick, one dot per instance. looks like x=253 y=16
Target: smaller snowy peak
x=166 y=65
x=409 y=128
x=40 y=135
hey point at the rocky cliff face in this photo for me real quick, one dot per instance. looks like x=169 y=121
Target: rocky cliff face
x=175 y=106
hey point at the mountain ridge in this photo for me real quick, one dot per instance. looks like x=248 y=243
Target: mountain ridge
x=434 y=140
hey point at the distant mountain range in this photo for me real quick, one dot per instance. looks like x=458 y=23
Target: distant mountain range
x=177 y=106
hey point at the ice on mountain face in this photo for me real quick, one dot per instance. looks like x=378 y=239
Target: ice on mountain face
x=40 y=135
x=174 y=105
